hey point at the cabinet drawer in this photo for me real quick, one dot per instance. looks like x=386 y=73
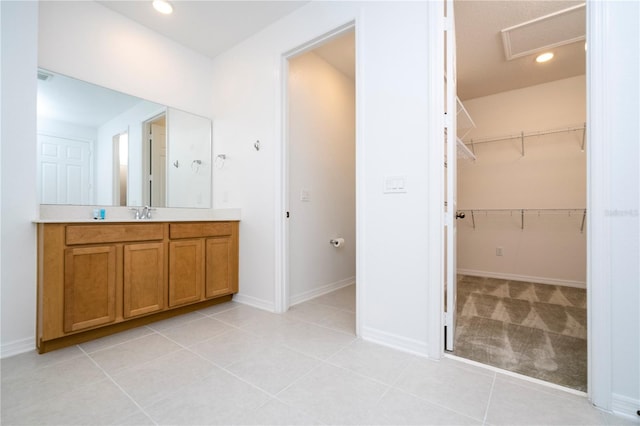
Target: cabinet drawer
x=197 y=230
x=92 y=234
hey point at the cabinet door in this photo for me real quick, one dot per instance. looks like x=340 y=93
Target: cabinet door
x=143 y=279
x=89 y=287
x=186 y=271
x=219 y=271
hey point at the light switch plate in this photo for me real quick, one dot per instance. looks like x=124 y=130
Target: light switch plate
x=395 y=184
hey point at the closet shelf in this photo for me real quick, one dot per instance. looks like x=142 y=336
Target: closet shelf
x=464 y=152
x=463 y=120
x=577 y=128
x=464 y=124
x=529 y=212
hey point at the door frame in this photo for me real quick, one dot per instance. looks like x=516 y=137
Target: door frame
x=147 y=154
x=282 y=278
x=598 y=73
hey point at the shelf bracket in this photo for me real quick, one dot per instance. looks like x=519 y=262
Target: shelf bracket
x=584 y=137
x=584 y=217
x=473 y=220
x=522 y=142
x=522 y=219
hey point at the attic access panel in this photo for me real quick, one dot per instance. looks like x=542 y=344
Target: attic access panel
x=555 y=29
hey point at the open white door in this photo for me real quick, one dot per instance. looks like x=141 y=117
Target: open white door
x=450 y=176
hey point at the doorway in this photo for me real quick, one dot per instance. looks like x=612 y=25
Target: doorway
x=120 y=168
x=155 y=161
x=320 y=186
x=521 y=247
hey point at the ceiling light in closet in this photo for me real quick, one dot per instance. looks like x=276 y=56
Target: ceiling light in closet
x=544 y=57
x=163 y=7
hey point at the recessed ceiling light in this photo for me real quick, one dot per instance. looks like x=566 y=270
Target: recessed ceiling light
x=544 y=57
x=163 y=6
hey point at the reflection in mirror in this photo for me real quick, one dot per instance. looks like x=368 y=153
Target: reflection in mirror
x=155 y=160
x=101 y=147
x=120 y=170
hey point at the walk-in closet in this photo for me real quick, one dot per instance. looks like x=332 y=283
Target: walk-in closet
x=521 y=189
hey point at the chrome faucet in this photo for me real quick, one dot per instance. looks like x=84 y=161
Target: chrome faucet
x=146 y=212
x=136 y=213
x=142 y=212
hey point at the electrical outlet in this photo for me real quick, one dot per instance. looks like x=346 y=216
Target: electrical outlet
x=498 y=251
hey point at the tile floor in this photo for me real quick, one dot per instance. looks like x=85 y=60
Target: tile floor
x=233 y=364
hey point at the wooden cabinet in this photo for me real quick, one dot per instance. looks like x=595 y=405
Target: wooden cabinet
x=96 y=279
x=204 y=267
x=221 y=266
x=143 y=280
x=186 y=271
x=89 y=287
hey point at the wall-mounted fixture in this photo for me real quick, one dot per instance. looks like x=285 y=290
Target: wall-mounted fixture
x=195 y=165
x=176 y=164
x=256 y=145
x=219 y=161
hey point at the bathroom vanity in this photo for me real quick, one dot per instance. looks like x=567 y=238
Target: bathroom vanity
x=98 y=278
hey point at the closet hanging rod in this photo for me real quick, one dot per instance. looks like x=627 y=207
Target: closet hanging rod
x=521 y=213
x=523 y=135
x=570 y=209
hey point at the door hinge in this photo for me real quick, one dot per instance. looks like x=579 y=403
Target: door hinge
x=446 y=23
x=287 y=215
x=448 y=319
x=448 y=220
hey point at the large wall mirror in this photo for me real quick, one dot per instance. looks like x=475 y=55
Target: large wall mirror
x=97 y=146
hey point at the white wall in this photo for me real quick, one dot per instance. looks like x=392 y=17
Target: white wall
x=19 y=195
x=322 y=164
x=551 y=175
x=614 y=274
x=87 y=41
x=391 y=139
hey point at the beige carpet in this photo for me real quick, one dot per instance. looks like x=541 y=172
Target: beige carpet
x=534 y=329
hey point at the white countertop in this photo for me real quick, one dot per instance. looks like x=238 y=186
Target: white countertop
x=84 y=214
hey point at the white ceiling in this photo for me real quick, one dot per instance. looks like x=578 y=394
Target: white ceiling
x=481 y=63
x=210 y=27
x=341 y=53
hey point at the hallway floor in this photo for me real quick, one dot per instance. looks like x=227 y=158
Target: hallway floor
x=234 y=364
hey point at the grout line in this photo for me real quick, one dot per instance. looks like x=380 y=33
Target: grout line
x=114 y=345
x=187 y=348
x=297 y=380
x=179 y=323
x=429 y=401
x=486 y=411
x=118 y=386
x=326 y=327
x=231 y=308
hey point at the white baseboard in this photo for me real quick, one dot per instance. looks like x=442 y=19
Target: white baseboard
x=395 y=342
x=327 y=288
x=516 y=277
x=17 y=347
x=624 y=406
x=254 y=301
